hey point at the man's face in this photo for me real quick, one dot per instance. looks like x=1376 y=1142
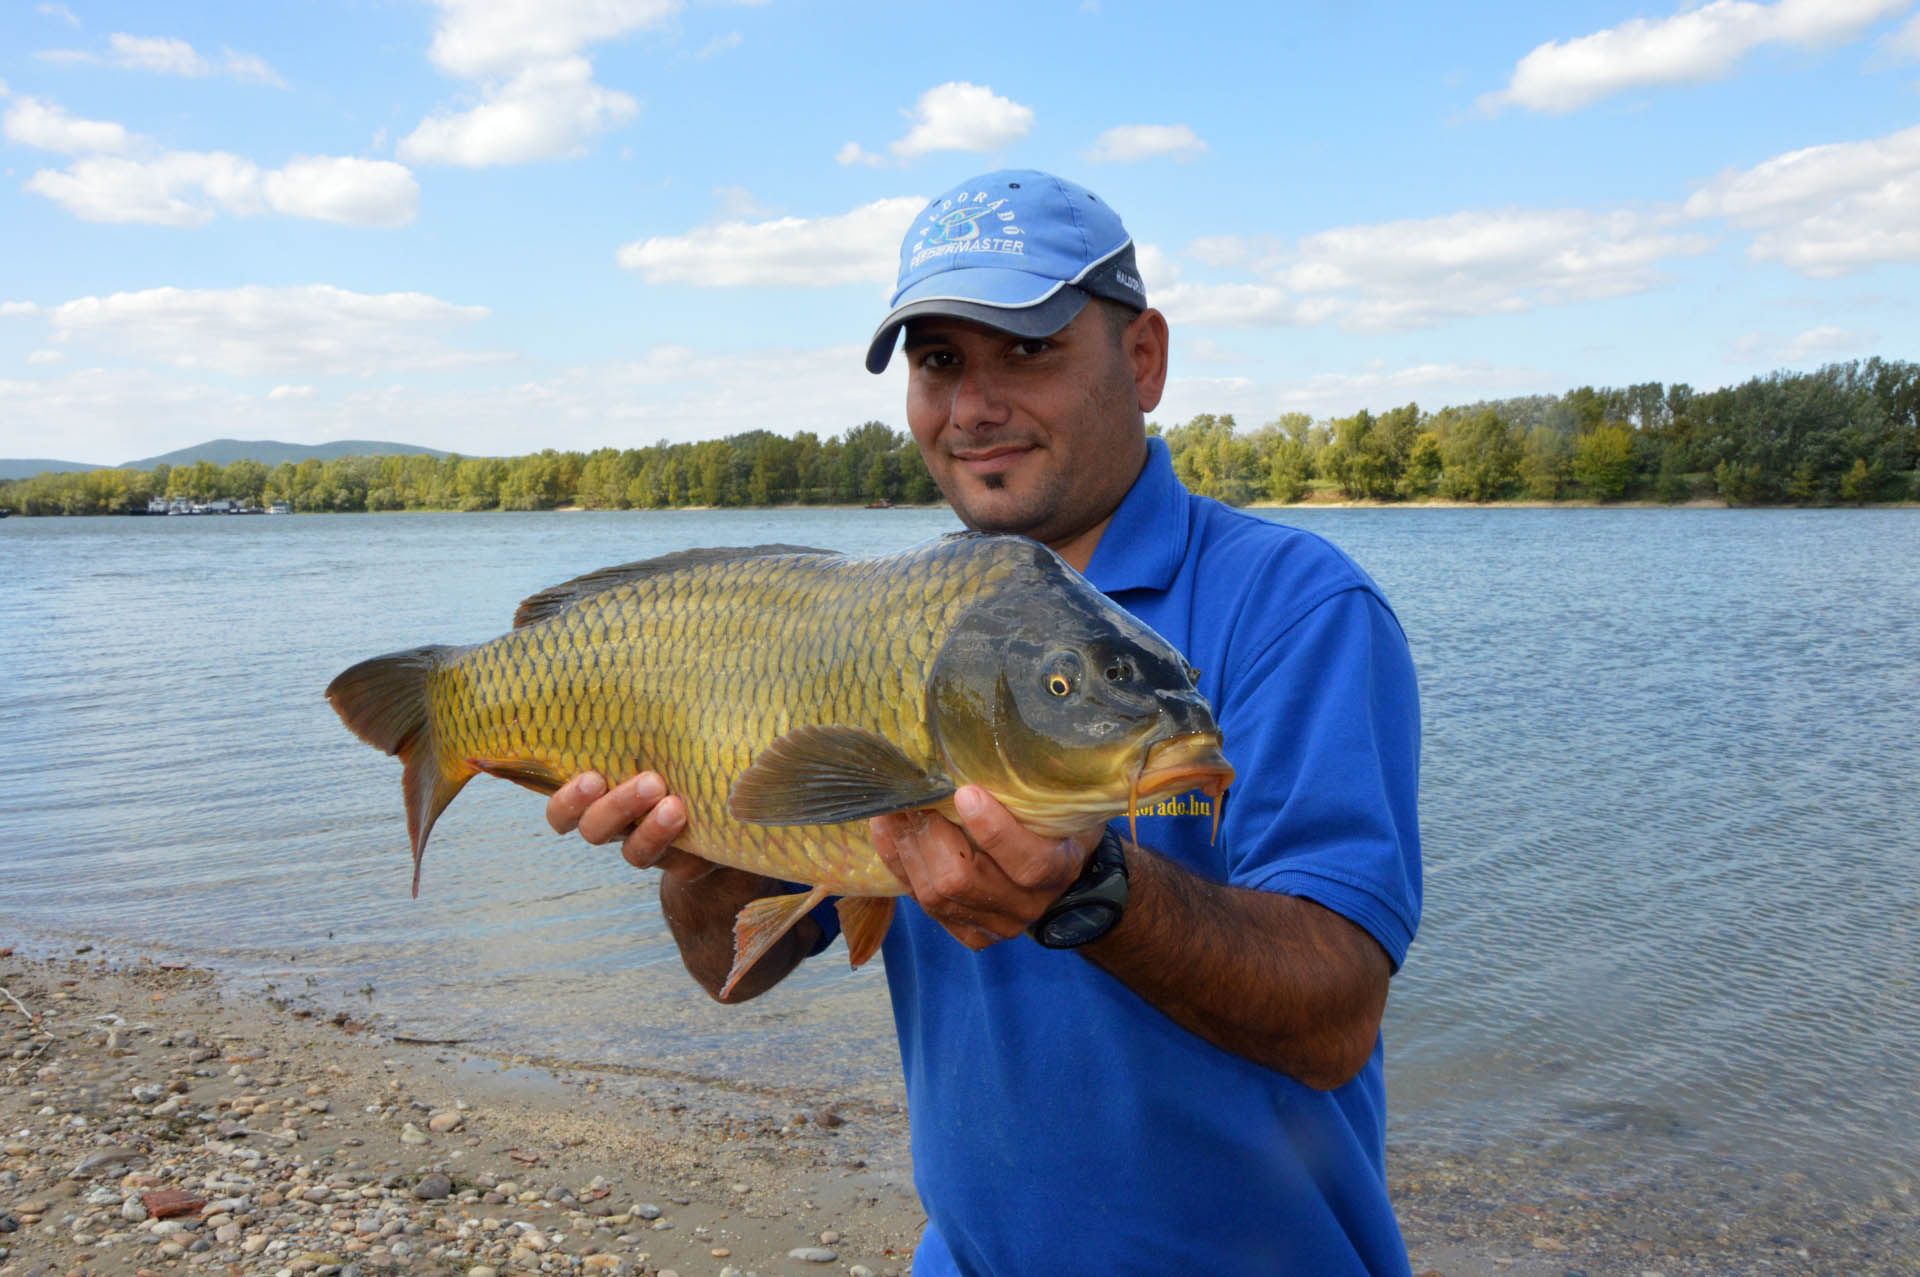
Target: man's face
x=1036 y=435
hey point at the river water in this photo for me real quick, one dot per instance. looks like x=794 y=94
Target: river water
x=1668 y=801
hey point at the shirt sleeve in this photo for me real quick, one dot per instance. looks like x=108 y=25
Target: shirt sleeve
x=1323 y=728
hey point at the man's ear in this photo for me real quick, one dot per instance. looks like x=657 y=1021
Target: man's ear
x=1145 y=342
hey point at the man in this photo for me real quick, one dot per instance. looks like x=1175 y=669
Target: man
x=1193 y=1083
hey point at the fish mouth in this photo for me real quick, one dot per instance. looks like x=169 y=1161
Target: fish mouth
x=1179 y=763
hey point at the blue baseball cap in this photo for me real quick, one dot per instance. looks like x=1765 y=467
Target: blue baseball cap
x=1017 y=250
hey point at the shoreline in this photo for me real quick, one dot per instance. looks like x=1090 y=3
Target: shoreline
x=1334 y=503
x=320 y=1146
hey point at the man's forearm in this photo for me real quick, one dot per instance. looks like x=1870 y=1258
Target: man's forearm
x=1275 y=978
x=700 y=915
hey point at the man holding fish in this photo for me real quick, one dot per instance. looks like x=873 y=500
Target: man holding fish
x=1157 y=1055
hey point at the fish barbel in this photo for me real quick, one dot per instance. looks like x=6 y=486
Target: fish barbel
x=788 y=694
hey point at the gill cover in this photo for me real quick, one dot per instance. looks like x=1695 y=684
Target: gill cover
x=1051 y=696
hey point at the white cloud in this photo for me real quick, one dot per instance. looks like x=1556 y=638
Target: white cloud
x=179 y=188
x=59 y=11
x=1814 y=345
x=538 y=97
x=159 y=54
x=737 y=204
x=716 y=46
x=479 y=38
x=958 y=116
x=1693 y=45
x=291 y=392
x=123 y=177
x=667 y=394
x=1906 y=41
x=45 y=356
x=856 y=247
x=1826 y=210
x=1418 y=272
x=167 y=55
x=315 y=329
x=547 y=110
x=854 y=153
x=341 y=188
x=1130 y=143
x=187 y=188
x=48 y=127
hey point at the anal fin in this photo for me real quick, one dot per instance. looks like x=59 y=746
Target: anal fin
x=864 y=921
x=760 y=924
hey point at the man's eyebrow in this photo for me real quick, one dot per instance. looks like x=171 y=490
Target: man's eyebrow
x=922 y=338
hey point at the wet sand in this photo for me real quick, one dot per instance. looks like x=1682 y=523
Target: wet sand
x=296 y=1141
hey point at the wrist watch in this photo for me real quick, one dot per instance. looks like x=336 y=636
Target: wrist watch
x=1090 y=907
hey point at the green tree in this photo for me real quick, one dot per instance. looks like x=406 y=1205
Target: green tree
x=1603 y=462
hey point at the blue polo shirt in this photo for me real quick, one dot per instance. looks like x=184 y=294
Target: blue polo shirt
x=1060 y=1123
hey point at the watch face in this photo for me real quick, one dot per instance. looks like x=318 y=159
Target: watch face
x=1084 y=922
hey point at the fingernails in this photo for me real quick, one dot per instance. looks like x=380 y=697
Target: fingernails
x=591 y=785
x=649 y=788
x=671 y=815
x=969 y=802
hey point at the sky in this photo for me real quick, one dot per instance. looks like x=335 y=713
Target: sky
x=493 y=226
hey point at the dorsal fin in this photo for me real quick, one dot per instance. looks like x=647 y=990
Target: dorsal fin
x=556 y=598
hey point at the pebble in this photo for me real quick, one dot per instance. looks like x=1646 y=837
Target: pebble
x=645 y=1210
x=411 y=1134
x=814 y=1254
x=444 y=1122
x=433 y=1187
x=481 y=1270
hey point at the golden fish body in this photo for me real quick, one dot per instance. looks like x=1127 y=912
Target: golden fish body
x=786 y=695
x=692 y=672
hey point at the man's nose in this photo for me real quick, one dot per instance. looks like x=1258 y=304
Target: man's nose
x=978 y=401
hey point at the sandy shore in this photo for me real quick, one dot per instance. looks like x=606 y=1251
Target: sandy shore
x=154 y=1122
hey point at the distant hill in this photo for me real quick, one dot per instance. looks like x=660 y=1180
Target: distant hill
x=221 y=452
x=27 y=467
x=224 y=451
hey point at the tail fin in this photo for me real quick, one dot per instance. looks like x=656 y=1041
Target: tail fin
x=386 y=703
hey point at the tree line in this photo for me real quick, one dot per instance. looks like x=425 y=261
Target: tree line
x=1846 y=433
x=867 y=464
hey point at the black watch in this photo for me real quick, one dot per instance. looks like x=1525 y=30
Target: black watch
x=1092 y=905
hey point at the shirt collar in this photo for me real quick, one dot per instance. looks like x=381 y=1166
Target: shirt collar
x=1143 y=546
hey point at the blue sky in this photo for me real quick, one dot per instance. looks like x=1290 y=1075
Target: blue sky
x=498 y=225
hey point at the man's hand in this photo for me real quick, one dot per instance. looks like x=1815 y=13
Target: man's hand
x=639 y=812
x=698 y=898
x=986 y=879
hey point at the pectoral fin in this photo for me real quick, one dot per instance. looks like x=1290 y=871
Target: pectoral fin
x=826 y=775
x=760 y=923
x=864 y=921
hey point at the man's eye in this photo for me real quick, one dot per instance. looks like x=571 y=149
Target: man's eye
x=1033 y=346
x=937 y=359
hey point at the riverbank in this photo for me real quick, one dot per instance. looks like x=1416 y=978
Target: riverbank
x=154 y=1121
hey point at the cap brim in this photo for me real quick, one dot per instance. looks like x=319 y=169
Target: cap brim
x=1010 y=301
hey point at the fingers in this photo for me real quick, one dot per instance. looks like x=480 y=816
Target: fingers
x=622 y=809
x=963 y=891
x=572 y=799
x=650 y=842
x=1035 y=865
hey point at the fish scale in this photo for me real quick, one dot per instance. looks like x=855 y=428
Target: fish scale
x=522 y=696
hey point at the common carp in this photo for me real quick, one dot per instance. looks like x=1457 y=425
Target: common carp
x=787 y=694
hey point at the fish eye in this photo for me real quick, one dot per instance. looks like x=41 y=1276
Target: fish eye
x=1059 y=684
